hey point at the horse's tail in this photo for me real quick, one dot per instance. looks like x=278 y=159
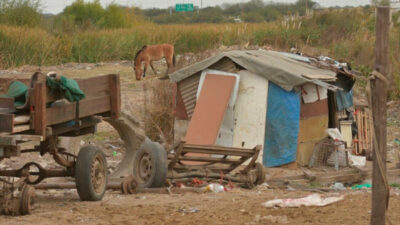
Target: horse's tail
x=173 y=59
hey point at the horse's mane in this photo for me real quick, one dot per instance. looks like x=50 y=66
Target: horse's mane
x=137 y=53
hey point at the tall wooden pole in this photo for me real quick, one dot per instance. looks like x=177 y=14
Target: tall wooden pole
x=379 y=98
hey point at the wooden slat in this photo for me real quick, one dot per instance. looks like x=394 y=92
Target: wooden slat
x=87 y=107
x=7 y=103
x=217 y=152
x=94 y=86
x=22 y=119
x=6 y=122
x=213 y=147
x=21 y=128
x=115 y=95
x=209 y=159
x=39 y=114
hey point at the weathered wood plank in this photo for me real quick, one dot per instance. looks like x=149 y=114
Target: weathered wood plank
x=87 y=107
x=22 y=119
x=39 y=114
x=380 y=193
x=6 y=122
x=115 y=95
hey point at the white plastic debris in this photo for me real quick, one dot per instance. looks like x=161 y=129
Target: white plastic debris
x=311 y=200
x=358 y=161
x=216 y=188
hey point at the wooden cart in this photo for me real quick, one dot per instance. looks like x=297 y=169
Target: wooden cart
x=152 y=165
x=45 y=117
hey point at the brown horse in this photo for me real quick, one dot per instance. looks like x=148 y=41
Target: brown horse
x=151 y=53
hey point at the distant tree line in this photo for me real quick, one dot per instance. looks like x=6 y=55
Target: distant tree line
x=253 y=11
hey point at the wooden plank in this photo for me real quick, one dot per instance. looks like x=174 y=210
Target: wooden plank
x=380 y=193
x=95 y=86
x=39 y=113
x=22 y=119
x=210 y=109
x=87 y=107
x=209 y=159
x=21 y=128
x=6 y=122
x=7 y=103
x=115 y=95
x=218 y=152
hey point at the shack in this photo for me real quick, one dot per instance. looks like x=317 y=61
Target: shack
x=283 y=101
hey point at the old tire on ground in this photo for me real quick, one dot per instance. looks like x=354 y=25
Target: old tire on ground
x=26 y=200
x=150 y=165
x=260 y=174
x=91 y=173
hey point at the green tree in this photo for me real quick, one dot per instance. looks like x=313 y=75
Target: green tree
x=20 y=12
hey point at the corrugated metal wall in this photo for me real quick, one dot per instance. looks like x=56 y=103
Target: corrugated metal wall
x=188 y=87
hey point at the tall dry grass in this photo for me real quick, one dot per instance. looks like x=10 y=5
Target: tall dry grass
x=344 y=34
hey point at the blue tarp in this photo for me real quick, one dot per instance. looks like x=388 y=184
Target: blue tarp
x=344 y=100
x=282 y=126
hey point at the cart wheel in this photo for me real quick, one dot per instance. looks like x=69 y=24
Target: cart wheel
x=27 y=199
x=150 y=165
x=91 y=173
x=260 y=174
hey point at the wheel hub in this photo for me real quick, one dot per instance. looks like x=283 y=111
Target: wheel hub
x=145 y=168
x=98 y=175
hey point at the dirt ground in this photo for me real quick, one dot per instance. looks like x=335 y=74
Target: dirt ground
x=239 y=206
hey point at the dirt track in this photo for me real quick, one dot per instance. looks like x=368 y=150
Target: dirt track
x=237 y=207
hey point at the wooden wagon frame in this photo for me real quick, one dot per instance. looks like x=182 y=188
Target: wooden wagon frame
x=46 y=122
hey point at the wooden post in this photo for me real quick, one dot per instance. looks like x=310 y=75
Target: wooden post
x=40 y=119
x=379 y=98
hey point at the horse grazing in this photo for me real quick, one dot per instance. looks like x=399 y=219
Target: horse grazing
x=151 y=53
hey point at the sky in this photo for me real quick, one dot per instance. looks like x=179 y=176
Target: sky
x=56 y=6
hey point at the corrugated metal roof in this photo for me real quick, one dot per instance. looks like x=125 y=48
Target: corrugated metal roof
x=282 y=70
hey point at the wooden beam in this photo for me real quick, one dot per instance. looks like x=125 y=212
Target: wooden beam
x=115 y=95
x=7 y=123
x=7 y=103
x=39 y=113
x=378 y=94
x=87 y=107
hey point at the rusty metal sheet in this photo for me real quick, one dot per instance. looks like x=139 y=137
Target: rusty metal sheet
x=210 y=109
x=188 y=89
x=318 y=108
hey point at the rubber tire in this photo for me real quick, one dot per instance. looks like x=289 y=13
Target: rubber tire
x=27 y=200
x=159 y=164
x=260 y=174
x=83 y=178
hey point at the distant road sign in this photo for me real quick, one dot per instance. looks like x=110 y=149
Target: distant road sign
x=184 y=7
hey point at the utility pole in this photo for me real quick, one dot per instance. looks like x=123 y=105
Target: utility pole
x=380 y=191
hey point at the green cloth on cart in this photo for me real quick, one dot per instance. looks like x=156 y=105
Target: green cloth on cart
x=68 y=87
x=18 y=91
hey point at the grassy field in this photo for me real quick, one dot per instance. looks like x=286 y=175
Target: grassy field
x=344 y=34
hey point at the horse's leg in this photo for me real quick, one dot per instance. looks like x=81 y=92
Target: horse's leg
x=152 y=67
x=146 y=65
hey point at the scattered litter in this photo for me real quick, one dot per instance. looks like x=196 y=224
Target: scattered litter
x=311 y=200
x=114 y=153
x=338 y=186
x=216 y=188
x=358 y=161
x=361 y=186
x=397 y=141
x=189 y=210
